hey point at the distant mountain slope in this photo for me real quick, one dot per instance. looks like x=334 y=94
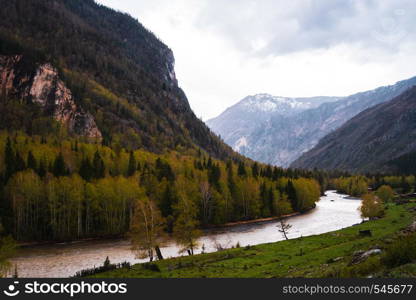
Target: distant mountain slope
x=241 y=123
x=370 y=142
x=281 y=138
x=118 y=73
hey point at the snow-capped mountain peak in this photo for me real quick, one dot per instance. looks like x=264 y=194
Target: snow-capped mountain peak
x=266 y=103
x=278 y=130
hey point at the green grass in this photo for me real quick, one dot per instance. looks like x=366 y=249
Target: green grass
x=286 y=259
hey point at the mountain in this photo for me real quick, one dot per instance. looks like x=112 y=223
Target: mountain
x=96 y=73
x=373 y=141
x=243 y=122
x=280 y=136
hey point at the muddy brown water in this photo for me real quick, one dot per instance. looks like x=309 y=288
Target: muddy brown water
x=334 y=211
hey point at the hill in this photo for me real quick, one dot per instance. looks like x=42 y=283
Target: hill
x=282 y=131
x=117 y=77
x=376 y=140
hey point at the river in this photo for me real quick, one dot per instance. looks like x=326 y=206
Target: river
x=334 y=211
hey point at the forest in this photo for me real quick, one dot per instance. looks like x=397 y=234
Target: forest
x=57 y=188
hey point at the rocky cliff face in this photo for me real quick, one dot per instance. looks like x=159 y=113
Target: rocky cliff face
x=42 y=85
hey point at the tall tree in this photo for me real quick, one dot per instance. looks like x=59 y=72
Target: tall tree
x=241 y=169
x=185 y=230
x=132 y=165
x=291 y=194
x=86 y=170
x=146 y=230
x=255 y=170
x=59 y=166
x=371 y=207
x=31 y=161
x=98 y=166
x=7 y=250
x=9 y=159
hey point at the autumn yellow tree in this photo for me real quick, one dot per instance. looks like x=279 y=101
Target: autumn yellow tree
x=385 y=193
x=146 y=230
x=371 y=207
x=7 y=248
x=185 y=230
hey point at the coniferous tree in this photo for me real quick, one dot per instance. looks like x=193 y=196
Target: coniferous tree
x=132 y=165
x=291 y=194
x=31 y=161
x=59 y=166
x=98 y=166
x=42 y=168
x=241 y=169
x=20 y=164
x=255 y=170
x=214 y=175
x=86 y=170
x=264 y=198
x=271 y=201
x=9 y=159
x=169 y=199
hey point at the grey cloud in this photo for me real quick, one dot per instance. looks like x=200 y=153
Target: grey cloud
x=297 y=25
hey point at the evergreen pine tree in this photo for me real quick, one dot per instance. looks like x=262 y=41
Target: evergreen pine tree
x=132 y=165
x=59 y=167
x=31 y=161
x=241 y=169
x=291 y=194
x=20 y=164
x=86 y=170
x=255 y=170
x=9 y=159
x=42 y=168
x=98 y=166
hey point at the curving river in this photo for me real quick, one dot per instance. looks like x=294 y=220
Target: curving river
x=333 y=211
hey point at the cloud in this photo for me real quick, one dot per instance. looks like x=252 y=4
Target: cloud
x=228 y=49
x=298 y=25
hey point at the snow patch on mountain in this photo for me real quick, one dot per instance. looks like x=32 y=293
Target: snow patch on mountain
x=277 y=130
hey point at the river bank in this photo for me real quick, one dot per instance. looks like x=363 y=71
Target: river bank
x=325 y=255
x=66 y=259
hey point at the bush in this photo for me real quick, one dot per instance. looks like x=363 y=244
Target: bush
x=401 y=252
x=372 y=207
x=151 y=267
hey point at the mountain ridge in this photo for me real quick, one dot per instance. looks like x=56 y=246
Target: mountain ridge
x=281 y=139
x=123 y=76
x=370 y=140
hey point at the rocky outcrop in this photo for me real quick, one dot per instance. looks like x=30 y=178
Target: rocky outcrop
x=41 y=84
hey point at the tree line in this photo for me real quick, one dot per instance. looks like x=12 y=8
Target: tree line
x=62 y=189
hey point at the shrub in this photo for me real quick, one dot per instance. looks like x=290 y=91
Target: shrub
x=401 y=252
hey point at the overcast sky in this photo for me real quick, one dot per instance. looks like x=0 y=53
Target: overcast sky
x=228 y=49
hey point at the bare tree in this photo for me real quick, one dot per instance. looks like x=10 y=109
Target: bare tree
x=218 y=245
x=206 y=198
x=284 y=228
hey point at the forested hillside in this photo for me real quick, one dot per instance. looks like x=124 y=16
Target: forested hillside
x=379 y=139
x=94 y=128
x=116 y=69
x=62 y=189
